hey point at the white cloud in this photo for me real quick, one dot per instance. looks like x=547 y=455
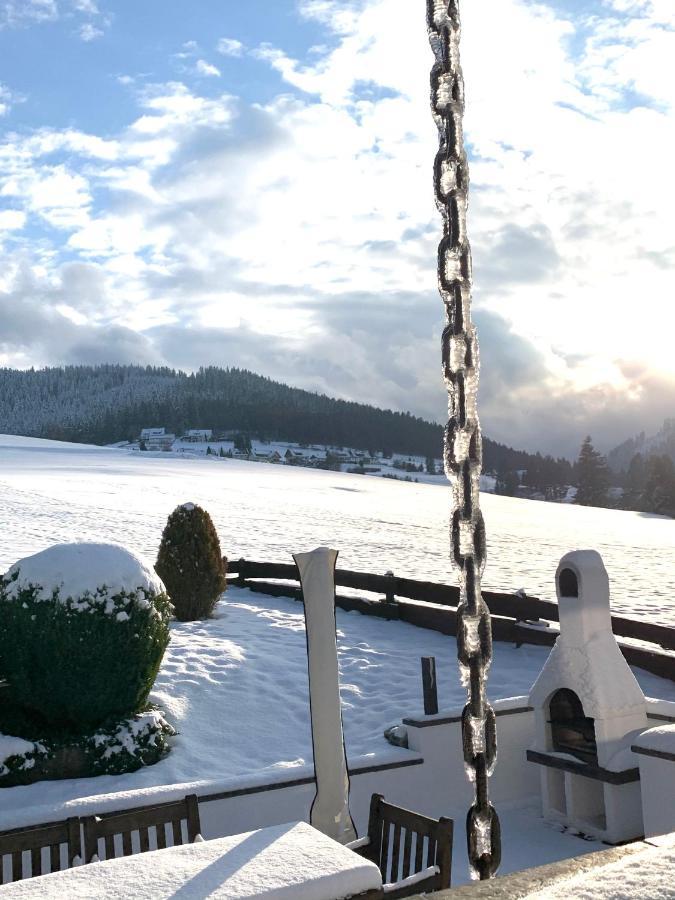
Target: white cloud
x=59 y=196
x=206 y=69
x=309 y=219
x=230 y=47
x=22 y=12
x=89 y=7
x=189 y=49
x=89 y=32
x=5 y=100
x=12 y=219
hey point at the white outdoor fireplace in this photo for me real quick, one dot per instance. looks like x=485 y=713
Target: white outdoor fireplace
x=588 y=710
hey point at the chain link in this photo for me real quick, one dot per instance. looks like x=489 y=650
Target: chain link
x=463 y=445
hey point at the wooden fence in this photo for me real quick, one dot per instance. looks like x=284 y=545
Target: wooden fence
x=516 y=618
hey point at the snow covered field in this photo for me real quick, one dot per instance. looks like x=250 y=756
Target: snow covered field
x=54 y=492
x=236 y=686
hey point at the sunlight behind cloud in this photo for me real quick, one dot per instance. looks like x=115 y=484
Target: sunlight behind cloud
x=309 y=211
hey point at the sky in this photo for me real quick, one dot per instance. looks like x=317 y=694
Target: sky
x=212 y=182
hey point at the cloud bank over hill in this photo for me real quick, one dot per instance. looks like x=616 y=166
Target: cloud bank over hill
x=286 y=224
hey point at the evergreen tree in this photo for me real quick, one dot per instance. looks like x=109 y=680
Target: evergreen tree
x=659 y=491
x=634 y=484
x=431 y=465
x=242 y=443
x=636 y=474
x=592 y=476
x=507 y=484
x=190 y=562
x=107 y=403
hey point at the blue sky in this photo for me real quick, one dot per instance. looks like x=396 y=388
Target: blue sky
x=69 y=81
x=249 y=184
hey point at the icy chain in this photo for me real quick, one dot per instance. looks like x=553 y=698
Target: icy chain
x=463 y=445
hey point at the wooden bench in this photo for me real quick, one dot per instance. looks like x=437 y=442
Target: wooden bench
x=36 y=839
x=389 y=845
x=105 y=828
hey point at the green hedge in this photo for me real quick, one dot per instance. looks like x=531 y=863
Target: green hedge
x=114 y=748
x=190 y=563
x=77 y=662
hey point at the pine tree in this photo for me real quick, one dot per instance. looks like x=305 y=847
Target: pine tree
x=242 y=443
x=592 y=476
x=190 y=562
x=507 y=484
x=659 y=491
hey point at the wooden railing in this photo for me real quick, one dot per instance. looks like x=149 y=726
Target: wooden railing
x=516 y=618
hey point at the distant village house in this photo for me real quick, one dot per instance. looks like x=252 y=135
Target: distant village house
x=198 y=434
x=156 y=439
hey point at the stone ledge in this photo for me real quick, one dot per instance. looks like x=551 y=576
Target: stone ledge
x=453 y=718
x=525 y=883
x=586 y=770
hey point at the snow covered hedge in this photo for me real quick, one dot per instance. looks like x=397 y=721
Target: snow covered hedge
x=113 y=749
x=83 y=629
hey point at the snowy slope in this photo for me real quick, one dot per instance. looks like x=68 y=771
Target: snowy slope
x=59 y=492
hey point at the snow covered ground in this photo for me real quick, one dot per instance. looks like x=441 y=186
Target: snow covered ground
x=236 y=686
x=236 y=689
x=56 y=492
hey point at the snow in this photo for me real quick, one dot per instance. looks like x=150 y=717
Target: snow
x=639 y=876
x=54 y=492
x=77 y=570
x=283 y=862
x=14 y=746
x=596 y=671
x=661 y=739
x=410 y=880
x=235 y=687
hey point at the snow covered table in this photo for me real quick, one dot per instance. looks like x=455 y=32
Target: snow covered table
x=283 y=862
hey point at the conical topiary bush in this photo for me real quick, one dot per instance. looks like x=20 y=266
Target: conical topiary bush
x=190 y=562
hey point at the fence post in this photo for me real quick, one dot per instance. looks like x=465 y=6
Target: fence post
x=429 y=686
x=390 y=595
x=520 y=593
x=241 y=572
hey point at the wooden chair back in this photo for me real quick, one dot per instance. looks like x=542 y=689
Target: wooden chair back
x=17 y=842
x=403 y=843
x=144 y=820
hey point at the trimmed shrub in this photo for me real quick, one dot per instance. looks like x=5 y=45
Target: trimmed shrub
x=83 y=629
x=117 y=746
x=190 y=563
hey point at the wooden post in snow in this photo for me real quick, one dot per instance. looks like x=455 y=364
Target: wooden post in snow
x=429 y=685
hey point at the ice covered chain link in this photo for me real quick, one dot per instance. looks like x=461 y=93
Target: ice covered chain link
x=463 y=445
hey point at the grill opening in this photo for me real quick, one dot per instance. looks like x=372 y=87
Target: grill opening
x=568 y=583
x=571 y=731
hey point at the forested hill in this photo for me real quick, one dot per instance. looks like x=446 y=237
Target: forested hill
x=109 y=403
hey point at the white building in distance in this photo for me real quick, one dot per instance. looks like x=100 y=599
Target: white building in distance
x=198 y=434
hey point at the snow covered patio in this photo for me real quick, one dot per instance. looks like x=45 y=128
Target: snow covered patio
x=236 y=689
